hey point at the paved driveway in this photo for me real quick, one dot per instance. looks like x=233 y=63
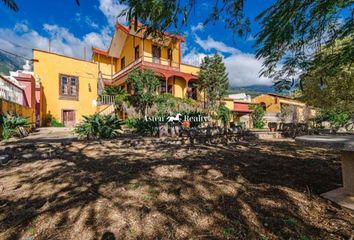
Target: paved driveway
x=44 y=135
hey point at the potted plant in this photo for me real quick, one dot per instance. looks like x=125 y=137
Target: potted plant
x=272 y=126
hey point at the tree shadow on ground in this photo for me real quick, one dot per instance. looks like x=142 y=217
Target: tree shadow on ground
x=104 y=191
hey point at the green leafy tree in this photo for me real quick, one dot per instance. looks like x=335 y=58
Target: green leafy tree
x=213 y=79
x=161 y=15
x=294 y=33
x=337 y=118
x=258 y=116
x=327 y=87
x=144 y=85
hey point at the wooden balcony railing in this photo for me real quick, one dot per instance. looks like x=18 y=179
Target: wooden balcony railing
x=148 y=61
x=105 y=100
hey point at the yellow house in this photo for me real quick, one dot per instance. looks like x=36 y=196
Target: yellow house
x=131 y=49
x=70 y=86
x=282 y=108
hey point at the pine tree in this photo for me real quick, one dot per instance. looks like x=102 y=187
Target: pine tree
x=213 y=79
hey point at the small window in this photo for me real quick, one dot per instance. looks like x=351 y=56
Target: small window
x=68 y=86
x=122 y=63
x=136 y=52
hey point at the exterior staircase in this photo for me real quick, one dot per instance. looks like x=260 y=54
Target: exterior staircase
x=105 y=105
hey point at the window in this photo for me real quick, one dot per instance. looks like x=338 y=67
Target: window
x=136 y=52
x=68 y=87
x=156 y=54
x=122 y=63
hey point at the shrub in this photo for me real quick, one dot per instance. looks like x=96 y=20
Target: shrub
x=337 y=118
x=56 y=123
x=98 y=126
x=224 y=114
x=257 y=116
x=13 y=125
x=141 y=126
x=113 y=91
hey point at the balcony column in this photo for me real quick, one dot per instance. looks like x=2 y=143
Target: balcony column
x=166 y=79
x=186 y=89
x=173 y=86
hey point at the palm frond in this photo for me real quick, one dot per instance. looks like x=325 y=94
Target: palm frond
x=11 y=4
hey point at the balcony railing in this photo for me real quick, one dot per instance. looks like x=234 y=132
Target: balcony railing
x=149 y=61
x=105 y=100
x=11 y=92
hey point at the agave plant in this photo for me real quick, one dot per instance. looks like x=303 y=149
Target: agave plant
x=98 y=126
x=14 y=125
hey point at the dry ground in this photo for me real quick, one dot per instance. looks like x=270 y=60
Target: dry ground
x=264 y=190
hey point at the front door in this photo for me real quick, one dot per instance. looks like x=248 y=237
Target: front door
x=68 y=118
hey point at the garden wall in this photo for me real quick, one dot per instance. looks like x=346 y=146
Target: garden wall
x=10 y=107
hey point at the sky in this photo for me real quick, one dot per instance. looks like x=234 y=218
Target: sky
x=71 y=29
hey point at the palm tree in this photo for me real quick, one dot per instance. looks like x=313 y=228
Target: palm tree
x=13 y=6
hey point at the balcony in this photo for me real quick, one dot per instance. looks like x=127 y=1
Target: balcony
x=148 y=62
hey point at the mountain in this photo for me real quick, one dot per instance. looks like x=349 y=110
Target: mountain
x=9 y=63
x=254 y=90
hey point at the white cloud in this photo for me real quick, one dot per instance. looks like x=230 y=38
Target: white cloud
x=87 y=20
x=21 y=40
x=210 y=44
x=198 y=27
x=193 y=57
x=112 y=10
x=243 y=68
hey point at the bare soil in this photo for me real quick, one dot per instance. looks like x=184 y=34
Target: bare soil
x=259 y=190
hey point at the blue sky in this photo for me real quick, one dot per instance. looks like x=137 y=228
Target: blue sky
x=71 y=29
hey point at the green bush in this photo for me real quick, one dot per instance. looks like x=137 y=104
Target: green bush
x=337 y=118
x=113 y=91
x=257 y=116
x=56 y=123
x=98 y=126
x=13 y=125
x=143 y=127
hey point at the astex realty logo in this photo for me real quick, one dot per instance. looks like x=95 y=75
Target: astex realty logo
x=178 y=118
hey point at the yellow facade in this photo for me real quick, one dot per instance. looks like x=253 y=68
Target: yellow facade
x=48 y=69
x=179 y=78
x=276 y=104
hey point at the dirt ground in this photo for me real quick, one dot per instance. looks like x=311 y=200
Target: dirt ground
x=258 y=190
